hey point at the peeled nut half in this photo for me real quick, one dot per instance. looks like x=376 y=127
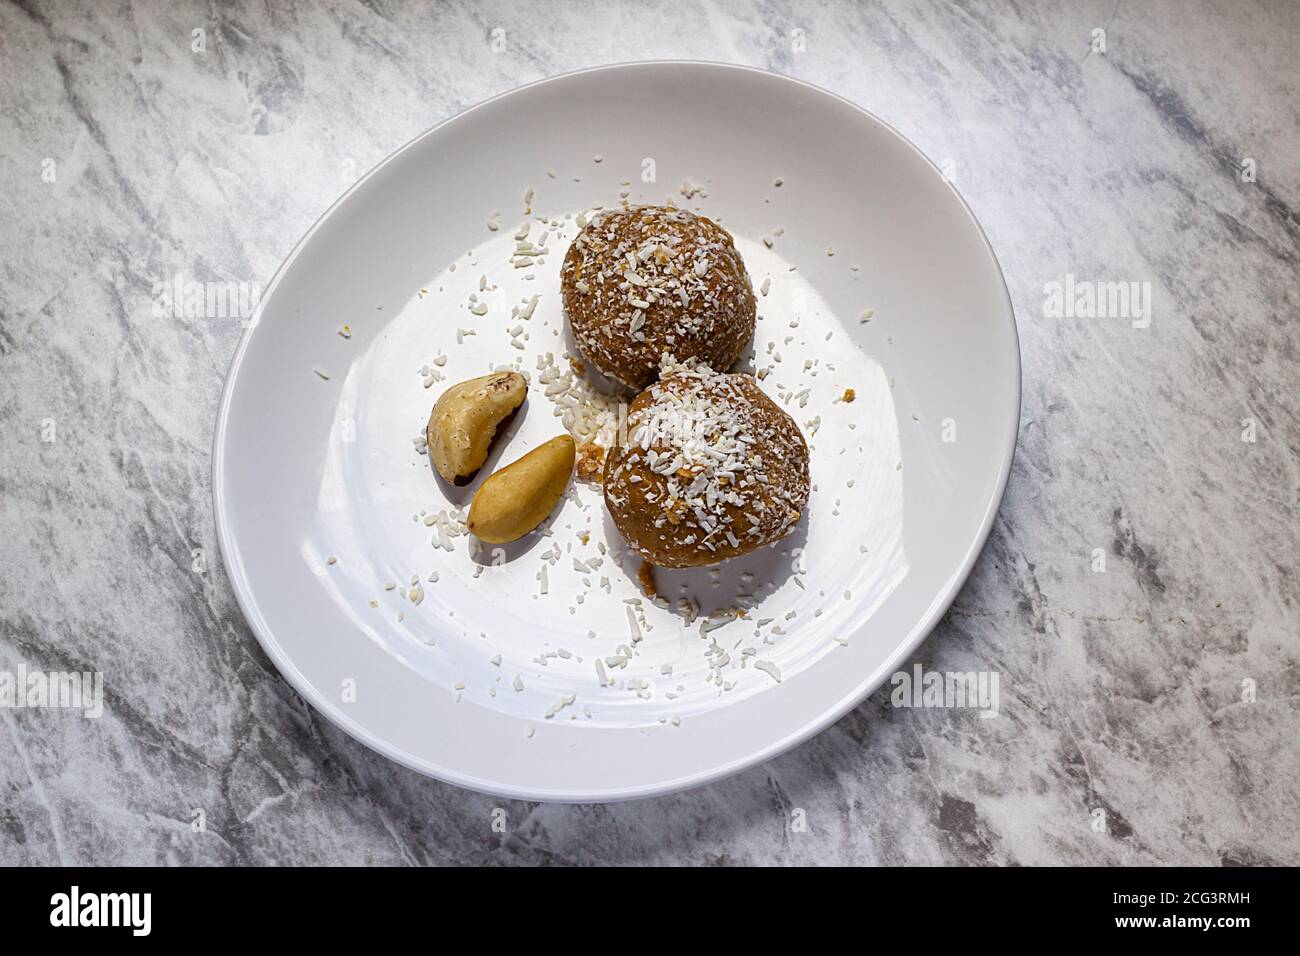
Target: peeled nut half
x=516 y=499
x=465 y=420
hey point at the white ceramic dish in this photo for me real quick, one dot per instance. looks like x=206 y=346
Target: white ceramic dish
x=307 y=468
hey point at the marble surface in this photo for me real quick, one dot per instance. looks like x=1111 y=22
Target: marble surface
x=1159 y=696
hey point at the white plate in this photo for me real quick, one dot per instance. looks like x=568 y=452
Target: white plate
x=306 y=468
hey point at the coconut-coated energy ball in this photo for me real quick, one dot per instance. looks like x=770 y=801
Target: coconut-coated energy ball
x=711 y=468
x=644 y=281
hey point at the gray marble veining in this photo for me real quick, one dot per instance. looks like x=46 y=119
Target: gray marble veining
x=1159 y=696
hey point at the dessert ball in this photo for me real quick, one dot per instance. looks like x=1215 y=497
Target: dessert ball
x=645 y=281
x=712 y=468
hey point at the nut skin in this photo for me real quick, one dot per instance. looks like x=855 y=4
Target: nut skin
x=466 y=419
x=516 y=499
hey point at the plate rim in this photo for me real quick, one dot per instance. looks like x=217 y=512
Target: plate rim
x=239 y=583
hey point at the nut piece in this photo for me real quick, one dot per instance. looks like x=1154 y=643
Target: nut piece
x=645 y=576
x=516 y=499
x=465 y=420
x=591 y=462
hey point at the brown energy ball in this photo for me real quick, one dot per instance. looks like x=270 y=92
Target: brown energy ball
x=712 y=468
x=646 y=281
